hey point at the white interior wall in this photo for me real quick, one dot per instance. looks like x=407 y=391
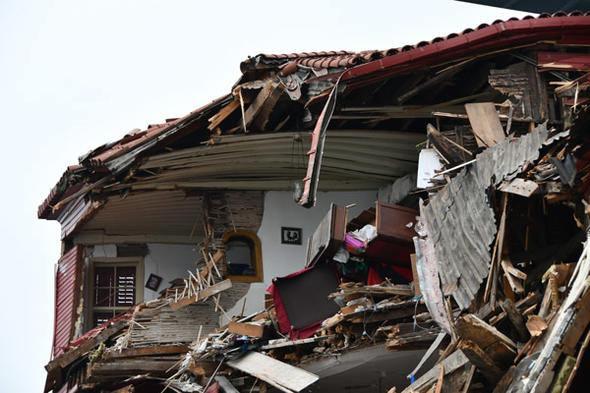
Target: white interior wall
x=168 y=261
x=281 y=211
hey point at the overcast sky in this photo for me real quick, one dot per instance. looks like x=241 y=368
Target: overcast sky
x=76 y=74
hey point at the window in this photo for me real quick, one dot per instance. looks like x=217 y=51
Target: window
x=114 y=287
x=243 y=256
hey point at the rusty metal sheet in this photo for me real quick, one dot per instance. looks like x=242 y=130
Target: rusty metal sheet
x=460 y=221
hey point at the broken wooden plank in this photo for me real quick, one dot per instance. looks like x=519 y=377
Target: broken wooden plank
x=451 y=151
x=223 y=114
x=201 y=295
x=491 y=340
x=467 y=385
x=246 y=329
x=281 y=375
x=259 y=111
x=512 y=276
x=416 y=280
x=146 y=351
x=485 y=123
x=282 y=342
x=510 y=269
x=225 y=384
x=414 y=340
x=522 y=305
x=440 y=380
x=375 y=290
x=482 y=360
x=69 y=357
x=516 y=319
x=373 y=314
x=451 y=363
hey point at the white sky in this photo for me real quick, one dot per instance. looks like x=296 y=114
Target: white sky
x=76 y=74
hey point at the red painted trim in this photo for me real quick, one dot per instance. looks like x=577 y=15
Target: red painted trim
x=563 y=61
x=570 y=30
x=67 y=284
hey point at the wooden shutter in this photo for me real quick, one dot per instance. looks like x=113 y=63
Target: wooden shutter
x=67 y=281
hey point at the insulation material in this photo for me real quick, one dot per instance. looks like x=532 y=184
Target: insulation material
x=429 y=163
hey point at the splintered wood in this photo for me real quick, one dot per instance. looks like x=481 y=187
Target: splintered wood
x=201 y=295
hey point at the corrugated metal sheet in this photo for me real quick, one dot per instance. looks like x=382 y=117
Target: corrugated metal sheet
x=67 y=279
x=460 y=220
x=360 y=68
x=124 y=151
x=76 y=214
x=358 y=159
x=150 y=213
x=117 y=156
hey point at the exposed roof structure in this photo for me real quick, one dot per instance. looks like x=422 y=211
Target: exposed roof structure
x=354 y=68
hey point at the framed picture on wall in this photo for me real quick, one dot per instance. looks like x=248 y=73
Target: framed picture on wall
x=153 y=282
x=290 y=235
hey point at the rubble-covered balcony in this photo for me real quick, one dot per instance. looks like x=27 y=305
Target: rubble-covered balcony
x=135 y=247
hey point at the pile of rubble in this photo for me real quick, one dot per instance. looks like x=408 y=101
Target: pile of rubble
x=385 y=314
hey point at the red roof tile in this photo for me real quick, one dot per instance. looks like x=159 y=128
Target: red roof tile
x=345 y=59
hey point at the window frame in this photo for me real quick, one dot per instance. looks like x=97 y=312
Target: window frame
x=136 y=262
x=256 y=254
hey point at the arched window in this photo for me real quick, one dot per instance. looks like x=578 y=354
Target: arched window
x=243 y=256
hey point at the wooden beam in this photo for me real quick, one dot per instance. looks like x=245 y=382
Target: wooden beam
x=202 y=295
x=516 y=319
x=259 y=111
x=223 y=114
x=246 y=329
x=69 y=357
x=482 y=360
x=451 y=363
x=146 y=351
x=281 y=343
x=415 y=278
x=498 y=346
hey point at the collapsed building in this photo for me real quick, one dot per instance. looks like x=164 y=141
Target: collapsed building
x=443 y=247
